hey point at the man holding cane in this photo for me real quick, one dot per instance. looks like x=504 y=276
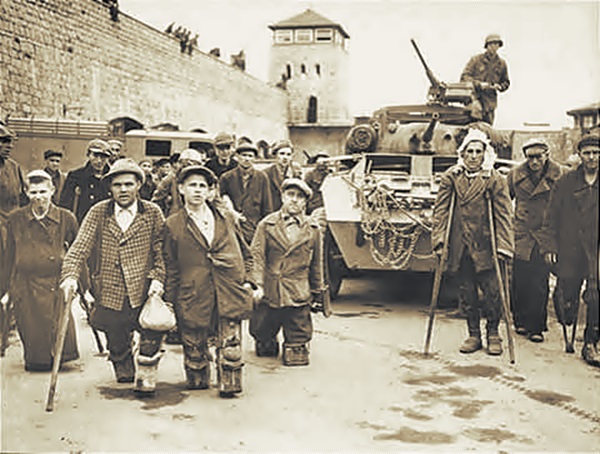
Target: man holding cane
x=473 y=180
x=126 y=234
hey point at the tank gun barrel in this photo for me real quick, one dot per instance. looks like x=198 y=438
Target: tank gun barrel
x=428 y=134
x=432 y=79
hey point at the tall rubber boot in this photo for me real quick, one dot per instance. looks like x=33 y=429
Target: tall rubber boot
x=147 y=368
x=295 y=355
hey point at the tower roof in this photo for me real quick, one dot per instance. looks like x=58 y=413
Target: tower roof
x=308 y=19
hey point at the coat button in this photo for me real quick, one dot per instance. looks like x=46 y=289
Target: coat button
x=91 y=196
x=52 y=289
x=52 y=258
x=92 y=185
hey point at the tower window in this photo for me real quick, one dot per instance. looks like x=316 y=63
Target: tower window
x=303 y=68
x=283 y=36
x=318 y=69
x=288 y=71
x=311 y=114
x=304 y=35
x=323 y=35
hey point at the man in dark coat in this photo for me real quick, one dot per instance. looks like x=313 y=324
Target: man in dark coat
x=126 y=235
x=83 y=187
x=149 y=186
x=204 y=257
x=248 y=189
x=52 y=159
x=223 y=160
x=530 y=184
x=38 y=236
x=471 y=182
x=283 y=168
x=570 y=242
x=489 y=74
x=12 y=183
x=288 y=268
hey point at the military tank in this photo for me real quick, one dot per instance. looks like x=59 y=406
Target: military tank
x=379 y=196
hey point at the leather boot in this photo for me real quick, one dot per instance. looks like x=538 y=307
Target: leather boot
x=295 y=355
x=145 y=380
x=494 y=345
x=267 y=349
x=471 y=344
x=590 y=354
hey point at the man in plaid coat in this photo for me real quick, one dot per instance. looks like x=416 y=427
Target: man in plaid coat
x=125 y=235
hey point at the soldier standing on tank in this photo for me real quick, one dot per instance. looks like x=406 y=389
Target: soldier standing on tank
x=84 y=187
x=530 y=184
x=571 y=238
x=489 y=74
x=472 y=181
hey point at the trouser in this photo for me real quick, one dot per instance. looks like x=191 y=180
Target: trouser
x=571 y=288
x=196 y=353
x=119 y=327
x=469 y=281
x=296 y=321
x=530 y=293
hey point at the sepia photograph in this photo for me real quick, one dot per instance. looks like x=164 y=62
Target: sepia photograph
x=299 y=226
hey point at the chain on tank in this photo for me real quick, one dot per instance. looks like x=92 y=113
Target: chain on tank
x=391 y=245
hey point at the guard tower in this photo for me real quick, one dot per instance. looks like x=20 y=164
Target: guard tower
x=309 y=58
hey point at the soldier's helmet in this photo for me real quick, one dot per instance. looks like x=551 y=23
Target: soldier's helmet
x=493 y=38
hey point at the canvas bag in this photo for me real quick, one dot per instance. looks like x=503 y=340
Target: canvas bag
x=156 y=315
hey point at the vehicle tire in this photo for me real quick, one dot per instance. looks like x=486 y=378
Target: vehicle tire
x=334 y=267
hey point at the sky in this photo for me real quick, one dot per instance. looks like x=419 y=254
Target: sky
x=552 y=48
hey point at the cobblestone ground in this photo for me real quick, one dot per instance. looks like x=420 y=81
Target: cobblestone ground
x=368 y=388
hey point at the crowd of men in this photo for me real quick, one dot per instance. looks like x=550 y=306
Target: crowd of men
x=217 y=239
x=220 y=241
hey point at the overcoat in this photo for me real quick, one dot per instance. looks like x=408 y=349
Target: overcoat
x=35 y=250
x=82 y=185
x=254 y=201
x=125 y=262
x=276 y=177
x=289 y=271
x=12 y=187
x=203 y=277
x=58 y=180
x=571 y=225
x=530 y=203
x=470 y=227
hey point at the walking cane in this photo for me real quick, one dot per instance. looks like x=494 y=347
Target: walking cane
x=437 y=279
x=58 y=347
x=501 y=284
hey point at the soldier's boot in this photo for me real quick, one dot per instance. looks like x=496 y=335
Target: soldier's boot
x=198 y=378
x=147 y=369
x=123 y=366
x=295 y=355
x=267 y=349
x=590 y=354
x=471 y=344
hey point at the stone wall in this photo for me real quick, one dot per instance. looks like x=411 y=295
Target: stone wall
x=68 y=59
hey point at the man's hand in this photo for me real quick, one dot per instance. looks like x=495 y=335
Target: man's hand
x=69 y=287
x=4 y=299
x=551 y=258
x=156 y=288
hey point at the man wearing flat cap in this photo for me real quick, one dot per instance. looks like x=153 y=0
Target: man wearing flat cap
x=489 y=75
x=125 y=235
x=570 y=242
x=529 y=184
x=52 y=159
x=283 y=168
x=223 y=160
x=83 y=187
x=287 y=268
x=205 y=260
x=248 y=189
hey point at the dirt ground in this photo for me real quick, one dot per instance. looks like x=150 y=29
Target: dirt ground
x=368 y=388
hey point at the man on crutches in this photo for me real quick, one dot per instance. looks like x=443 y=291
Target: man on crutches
x=473 y=181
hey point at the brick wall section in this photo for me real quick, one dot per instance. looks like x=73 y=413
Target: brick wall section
x=56 y=53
